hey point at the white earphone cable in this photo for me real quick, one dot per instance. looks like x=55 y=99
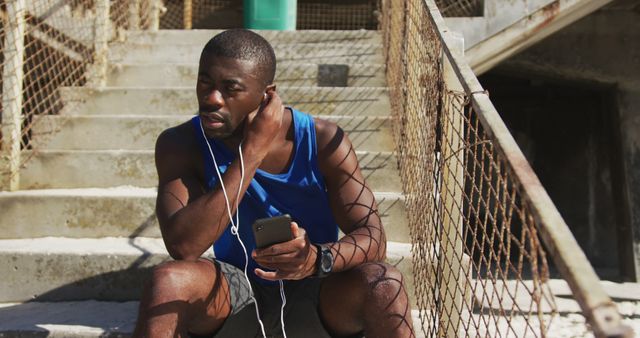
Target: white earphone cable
x=283 y=297
x=235 y=231
x=235 y=225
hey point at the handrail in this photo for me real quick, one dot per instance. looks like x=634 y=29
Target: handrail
x=600 y=311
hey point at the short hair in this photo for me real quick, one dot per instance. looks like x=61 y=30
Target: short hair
x=242 y=44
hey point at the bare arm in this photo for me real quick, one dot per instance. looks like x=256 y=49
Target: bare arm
x=191 y=220
x=352 y=202
x=354 y=209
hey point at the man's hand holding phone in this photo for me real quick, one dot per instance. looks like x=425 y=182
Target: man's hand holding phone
x=293 y=259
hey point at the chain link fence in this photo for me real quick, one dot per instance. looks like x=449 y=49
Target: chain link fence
x=47 y=45
x=478 y=216
x=311 y=14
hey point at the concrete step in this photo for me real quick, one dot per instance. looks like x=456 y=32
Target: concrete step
x=96 y=319
x=70 y=319
x=361 y=101
x=82 y=319
x=109 y=168
x=122 y=212
x=139 y=132
x=56 y=269
x=312 y=74
x=201 y=36
x=286 y=53
x=113 y=268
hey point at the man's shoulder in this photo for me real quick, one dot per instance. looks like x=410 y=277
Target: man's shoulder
x=177 y=136
x=178 y=142
x=328 y=134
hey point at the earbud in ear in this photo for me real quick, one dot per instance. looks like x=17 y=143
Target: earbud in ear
x=264 y=98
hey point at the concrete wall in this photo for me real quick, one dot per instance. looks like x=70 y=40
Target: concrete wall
x=497 y=15
x=601 y=49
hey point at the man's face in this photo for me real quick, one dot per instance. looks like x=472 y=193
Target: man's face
x=228 y=91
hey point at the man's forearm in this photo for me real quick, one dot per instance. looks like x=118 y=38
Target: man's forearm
x=363 y=244
x=193 y=229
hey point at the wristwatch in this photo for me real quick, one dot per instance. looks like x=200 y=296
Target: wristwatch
x=324 y=261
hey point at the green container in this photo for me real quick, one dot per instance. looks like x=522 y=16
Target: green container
x=270 y=14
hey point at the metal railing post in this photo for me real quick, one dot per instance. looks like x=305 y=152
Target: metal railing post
x=451 y=259
x=154 y=17
x=134 y=14
x=12 y=86
x=188 y=14
x=102 y=28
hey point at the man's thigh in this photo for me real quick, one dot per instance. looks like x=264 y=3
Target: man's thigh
x=210 y=300
x=184 y=296
x=301 y=318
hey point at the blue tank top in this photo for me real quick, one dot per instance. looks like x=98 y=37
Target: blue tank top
x=299 y=192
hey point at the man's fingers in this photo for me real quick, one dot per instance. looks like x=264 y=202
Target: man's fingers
x=274 y=250
x=264 y=274
x=273 y=102
x=276 y=275
x=287 y=259
x=295 y=229
x=268 y=275
x=268 y=265
x=277 y=259
x=292 y=246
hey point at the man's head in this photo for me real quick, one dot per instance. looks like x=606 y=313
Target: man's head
x=236 y=69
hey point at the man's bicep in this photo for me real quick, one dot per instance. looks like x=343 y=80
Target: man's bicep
x=176 y=183
x=352 y=202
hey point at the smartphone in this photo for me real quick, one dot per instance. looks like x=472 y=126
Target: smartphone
x=272 y=230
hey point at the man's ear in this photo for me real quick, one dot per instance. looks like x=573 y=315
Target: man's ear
x=270 y=88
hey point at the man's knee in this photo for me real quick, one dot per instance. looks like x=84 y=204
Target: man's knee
x=181 y=279
x=381 y=279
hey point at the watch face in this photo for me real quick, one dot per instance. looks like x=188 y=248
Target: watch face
x=326 y=262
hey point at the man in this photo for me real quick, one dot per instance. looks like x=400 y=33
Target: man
x=276 y=160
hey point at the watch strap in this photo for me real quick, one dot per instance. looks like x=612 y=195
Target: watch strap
x=322 y=251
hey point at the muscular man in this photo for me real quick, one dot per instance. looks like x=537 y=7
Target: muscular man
x=293 y=164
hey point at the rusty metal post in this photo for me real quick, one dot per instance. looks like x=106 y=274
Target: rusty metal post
x=188 y=14
x=154 y=16
x=134 y=14
x=102 y=28
x=12 y=87
x=451 y=258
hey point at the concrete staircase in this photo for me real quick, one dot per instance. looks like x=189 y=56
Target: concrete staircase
x=80 y=236
x=508 y=27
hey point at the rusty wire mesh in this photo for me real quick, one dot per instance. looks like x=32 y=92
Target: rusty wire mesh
x=311 y=14
x=134 y=14
x=479 y=265
x=204 y=14
x=337 y=14
x=55 y=51
x=48 y=45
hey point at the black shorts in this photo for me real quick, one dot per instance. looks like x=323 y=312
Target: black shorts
x=301 y=317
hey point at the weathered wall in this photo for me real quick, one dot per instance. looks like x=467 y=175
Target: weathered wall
x=603 y=48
